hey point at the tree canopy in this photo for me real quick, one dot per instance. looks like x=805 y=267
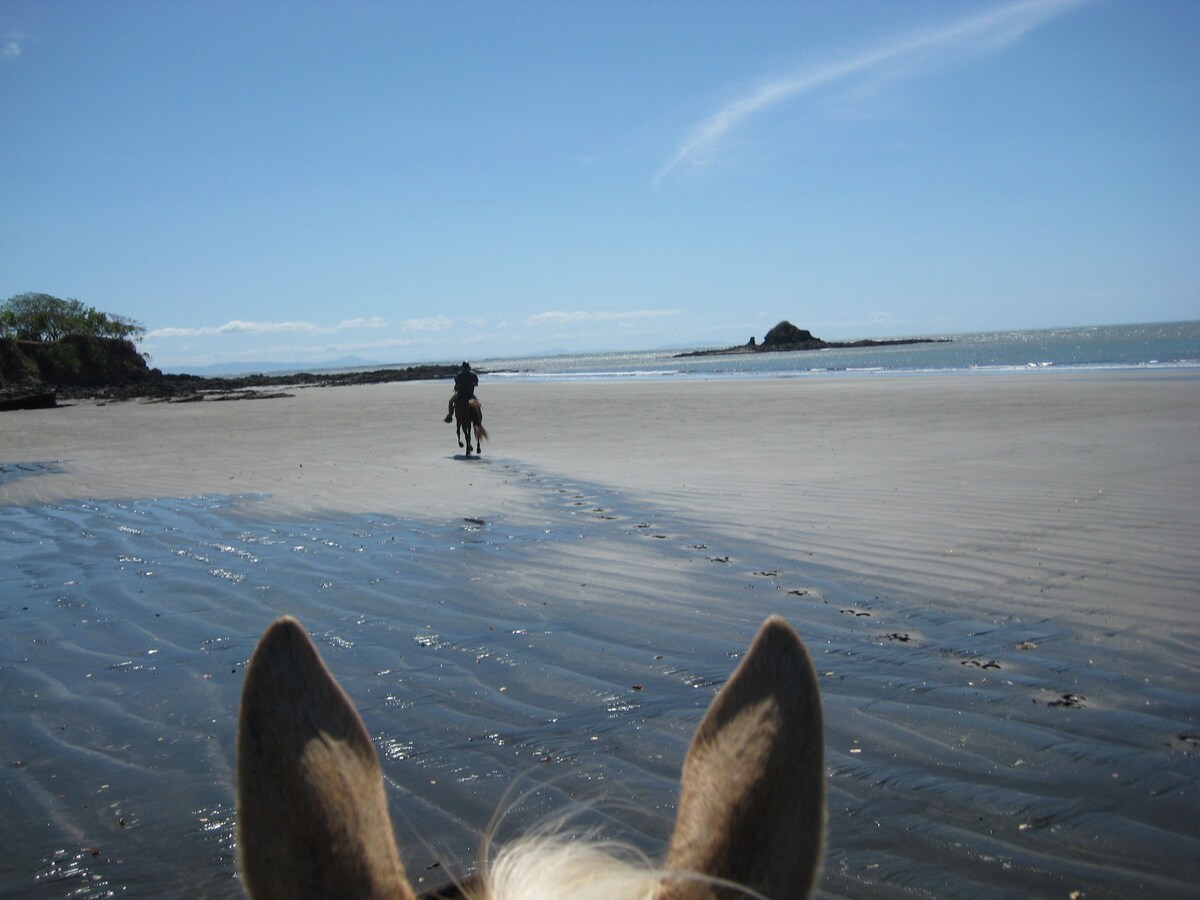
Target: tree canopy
x=40 y=317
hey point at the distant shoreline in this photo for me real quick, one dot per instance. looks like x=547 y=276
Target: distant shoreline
x=182 y=388
x=39 y=376
x=34 y=374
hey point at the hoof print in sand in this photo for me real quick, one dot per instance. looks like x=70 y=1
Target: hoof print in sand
x=1069 y=701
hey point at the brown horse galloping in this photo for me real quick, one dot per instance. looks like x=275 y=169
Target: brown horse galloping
x=468 y=414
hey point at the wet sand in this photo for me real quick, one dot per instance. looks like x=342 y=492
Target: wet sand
x=997 y=577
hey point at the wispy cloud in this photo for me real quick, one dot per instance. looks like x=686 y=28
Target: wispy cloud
x=482 y=322
x=986 y=32
x=435 y=323
x=239 y=327
x=562 y=318
x=10 y=48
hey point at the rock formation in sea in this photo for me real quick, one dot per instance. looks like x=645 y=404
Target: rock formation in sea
x=787 y=337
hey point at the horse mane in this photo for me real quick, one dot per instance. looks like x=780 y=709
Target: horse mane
x=546 y=865
x=552 y=867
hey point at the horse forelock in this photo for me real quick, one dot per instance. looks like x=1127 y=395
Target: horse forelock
x=549 y=867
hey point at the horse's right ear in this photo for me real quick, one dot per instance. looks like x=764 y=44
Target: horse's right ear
x=752 y=797
x=312 y=813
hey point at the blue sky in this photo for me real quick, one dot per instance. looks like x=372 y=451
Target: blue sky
x=402 y=182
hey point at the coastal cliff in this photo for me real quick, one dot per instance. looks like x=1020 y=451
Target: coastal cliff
x=72 y=361
x=786 y=337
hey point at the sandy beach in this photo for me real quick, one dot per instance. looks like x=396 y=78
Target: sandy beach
x=998 y=577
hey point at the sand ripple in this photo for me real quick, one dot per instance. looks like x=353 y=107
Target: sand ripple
x=560 y=667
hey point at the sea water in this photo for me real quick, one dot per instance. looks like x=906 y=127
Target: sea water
x=1148 y=346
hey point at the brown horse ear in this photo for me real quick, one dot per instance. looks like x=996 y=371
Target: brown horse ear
x=752 y=798
x=312 y=813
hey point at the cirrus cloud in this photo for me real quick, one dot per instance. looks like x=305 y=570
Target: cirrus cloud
x=986 y=32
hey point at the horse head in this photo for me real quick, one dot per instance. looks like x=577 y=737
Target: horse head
x=313 y=818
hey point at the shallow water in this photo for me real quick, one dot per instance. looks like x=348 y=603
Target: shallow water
x=560 y=669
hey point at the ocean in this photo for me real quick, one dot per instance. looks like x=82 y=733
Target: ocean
x=1166 y=345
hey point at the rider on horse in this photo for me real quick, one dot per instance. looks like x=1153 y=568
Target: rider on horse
x=464 y=388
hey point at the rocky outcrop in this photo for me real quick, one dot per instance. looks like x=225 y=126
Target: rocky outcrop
x=34 y=373
x=786 y=337
x=16 y=368
x=73 y=361
x=39 y=400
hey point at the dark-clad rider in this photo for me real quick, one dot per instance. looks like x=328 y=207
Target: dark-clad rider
x=465 y=383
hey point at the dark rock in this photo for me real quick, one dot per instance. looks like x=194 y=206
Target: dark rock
x=785 y=334
x=787 y=337
x=16 y=368
x=73 y=361
x=40 y=400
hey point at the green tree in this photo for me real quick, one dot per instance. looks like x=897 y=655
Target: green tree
x=40 y=317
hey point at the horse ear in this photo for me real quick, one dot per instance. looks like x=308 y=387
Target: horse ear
x=752 y=797
x=312 y=813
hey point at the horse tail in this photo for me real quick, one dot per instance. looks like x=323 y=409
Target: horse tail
x=477 y=419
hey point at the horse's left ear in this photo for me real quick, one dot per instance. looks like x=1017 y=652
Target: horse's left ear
x=312 y=813
x=752 y=795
